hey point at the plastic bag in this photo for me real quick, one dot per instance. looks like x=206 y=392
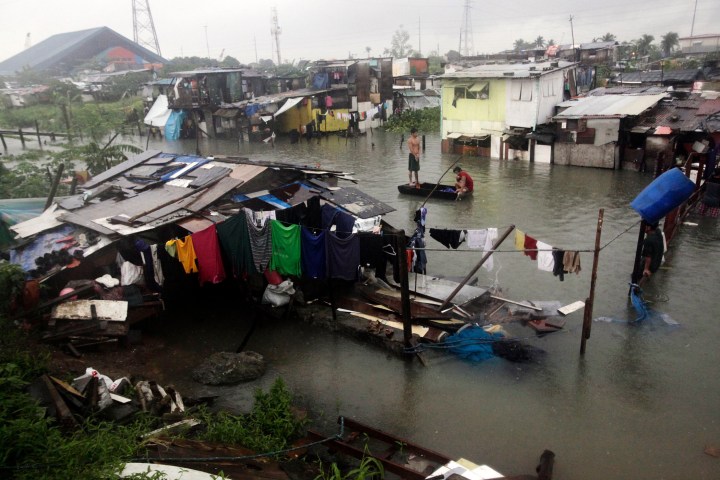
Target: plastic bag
x=278 y=295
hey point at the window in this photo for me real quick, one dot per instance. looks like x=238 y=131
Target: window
x=480 y=91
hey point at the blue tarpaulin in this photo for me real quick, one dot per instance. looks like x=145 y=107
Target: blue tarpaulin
x=473 y=343
x=174 y=124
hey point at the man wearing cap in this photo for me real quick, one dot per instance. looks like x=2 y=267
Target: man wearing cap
x=463 y=182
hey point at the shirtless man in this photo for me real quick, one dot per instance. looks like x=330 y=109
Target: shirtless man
x=413 y=144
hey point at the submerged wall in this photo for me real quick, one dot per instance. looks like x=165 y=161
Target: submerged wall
x=602 y=156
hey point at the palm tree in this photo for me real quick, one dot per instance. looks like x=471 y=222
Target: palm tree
x=367 y=49
x=519 y=44
x=550 y=42
x=642 y=44
x=608 y=37
x=539 y=41
x=668 y=42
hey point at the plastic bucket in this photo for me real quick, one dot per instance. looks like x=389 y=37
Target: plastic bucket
x=664 y=194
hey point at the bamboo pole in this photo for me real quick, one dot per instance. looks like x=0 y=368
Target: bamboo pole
x=22 y=138
x=497 y=243
x=37 y=132
x=440 y=180
x=55 y=183
x=2 y=138
x=587 y=317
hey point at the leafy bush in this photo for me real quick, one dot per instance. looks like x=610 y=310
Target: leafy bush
x=270 y=426
x=426 y=120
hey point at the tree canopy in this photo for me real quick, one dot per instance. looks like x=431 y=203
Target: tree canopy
x=668 y=42
x=400 y=46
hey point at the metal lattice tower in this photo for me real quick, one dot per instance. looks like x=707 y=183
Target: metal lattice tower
x=144 y=33
x=276 y=31
x=466 y=33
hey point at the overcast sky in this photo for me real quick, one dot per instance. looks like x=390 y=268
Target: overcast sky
x=334 y=29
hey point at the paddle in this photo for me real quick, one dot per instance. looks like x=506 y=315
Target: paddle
x=440 y=180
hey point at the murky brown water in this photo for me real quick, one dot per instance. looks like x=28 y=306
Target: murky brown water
x=644 y=401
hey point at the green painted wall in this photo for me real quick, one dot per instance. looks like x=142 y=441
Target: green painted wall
x=492 y=109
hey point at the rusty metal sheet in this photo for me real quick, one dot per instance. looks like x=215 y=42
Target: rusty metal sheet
x=294 y=193
x=75 y=219
x=195 y=224
x=213 y=193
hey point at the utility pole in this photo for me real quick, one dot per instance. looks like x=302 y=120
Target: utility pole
x=255 y=41
x=144 y=33
x=572 y=32
x=207 y=45
x=276 y=31
x=692 y=27
x=466 y=31
x=419 y=37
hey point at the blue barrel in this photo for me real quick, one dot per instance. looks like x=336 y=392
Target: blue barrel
x=665 y=193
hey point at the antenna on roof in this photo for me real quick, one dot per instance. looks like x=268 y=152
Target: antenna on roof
x=144 y=33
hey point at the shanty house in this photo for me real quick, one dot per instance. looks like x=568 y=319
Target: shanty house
x=64 y=53
x=489 y=110
x=597 y=131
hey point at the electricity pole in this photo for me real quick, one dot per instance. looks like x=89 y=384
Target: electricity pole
x=572 y=32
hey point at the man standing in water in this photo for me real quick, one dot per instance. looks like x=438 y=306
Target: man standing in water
x=652 y=251
x=414 y=158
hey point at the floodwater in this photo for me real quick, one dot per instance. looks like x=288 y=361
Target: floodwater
x=644 y=401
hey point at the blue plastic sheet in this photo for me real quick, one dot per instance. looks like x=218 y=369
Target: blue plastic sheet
x=473 y=343
x=174 y=124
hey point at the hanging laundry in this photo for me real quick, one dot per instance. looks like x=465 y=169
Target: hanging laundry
x=343 y=256
x=285 y=258
x=449 y=238
x=260 y=242
x=207 y=249
x=344 y=224
x=545 y=259
x=476 y=238
x=571 y=262
x=313 y=216
x=235 y=242
x=492 y=235
x=312 y=248
x=148 y=264
x=159 y=276
x=328 y=101
x=171 y=247
x=328 y=213
x=186 y=254
x=558 y=267
x=419 y=258
x=530 y=247
x=372 y=254
x=519 y=239
x=130 y=273
x=293 y=215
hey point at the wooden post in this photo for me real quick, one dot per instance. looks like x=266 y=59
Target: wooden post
x=423 y=142
x=532 y=150
x=467 y=278
x=402 y=140
x=66 y=117
x=22 y=138
x=37 y=132
x=502 y=148
x=404 y=288
x=587 y=317
x=53 y=189
x=2 y=138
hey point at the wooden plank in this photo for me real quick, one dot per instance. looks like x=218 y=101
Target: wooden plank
x=110 y=310
x=120 y=169
x=567 y=309
x=526 y=305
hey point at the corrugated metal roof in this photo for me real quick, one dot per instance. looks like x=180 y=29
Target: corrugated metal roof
x=597 y=45
x=509 y=70
x=657 y=76
x=709 y=107
x=610 y=106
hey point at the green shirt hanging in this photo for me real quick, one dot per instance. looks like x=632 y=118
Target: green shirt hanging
x=285 y=257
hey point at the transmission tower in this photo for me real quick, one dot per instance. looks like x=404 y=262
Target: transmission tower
x=466 y=33
x=144 y=33
x=276 y=31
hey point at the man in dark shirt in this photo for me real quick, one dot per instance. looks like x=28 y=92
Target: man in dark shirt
x=652 y=250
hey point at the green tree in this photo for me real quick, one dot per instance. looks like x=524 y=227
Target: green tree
x=540 y=41
x=368 y=49
x=400 y=46
x=608 y=37
x=668 y=42
x=453 y=55
x=519 y=45
x=184 y=64
x=643 y=44
x=230 y=62
x=550 y=42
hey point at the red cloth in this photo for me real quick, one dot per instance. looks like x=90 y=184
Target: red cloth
x=209 y=260
x=468 y=180
x=530 y=247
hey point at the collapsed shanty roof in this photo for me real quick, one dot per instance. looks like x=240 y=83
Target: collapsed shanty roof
x=659 y=76
x=608 y=106
x=154 y=189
